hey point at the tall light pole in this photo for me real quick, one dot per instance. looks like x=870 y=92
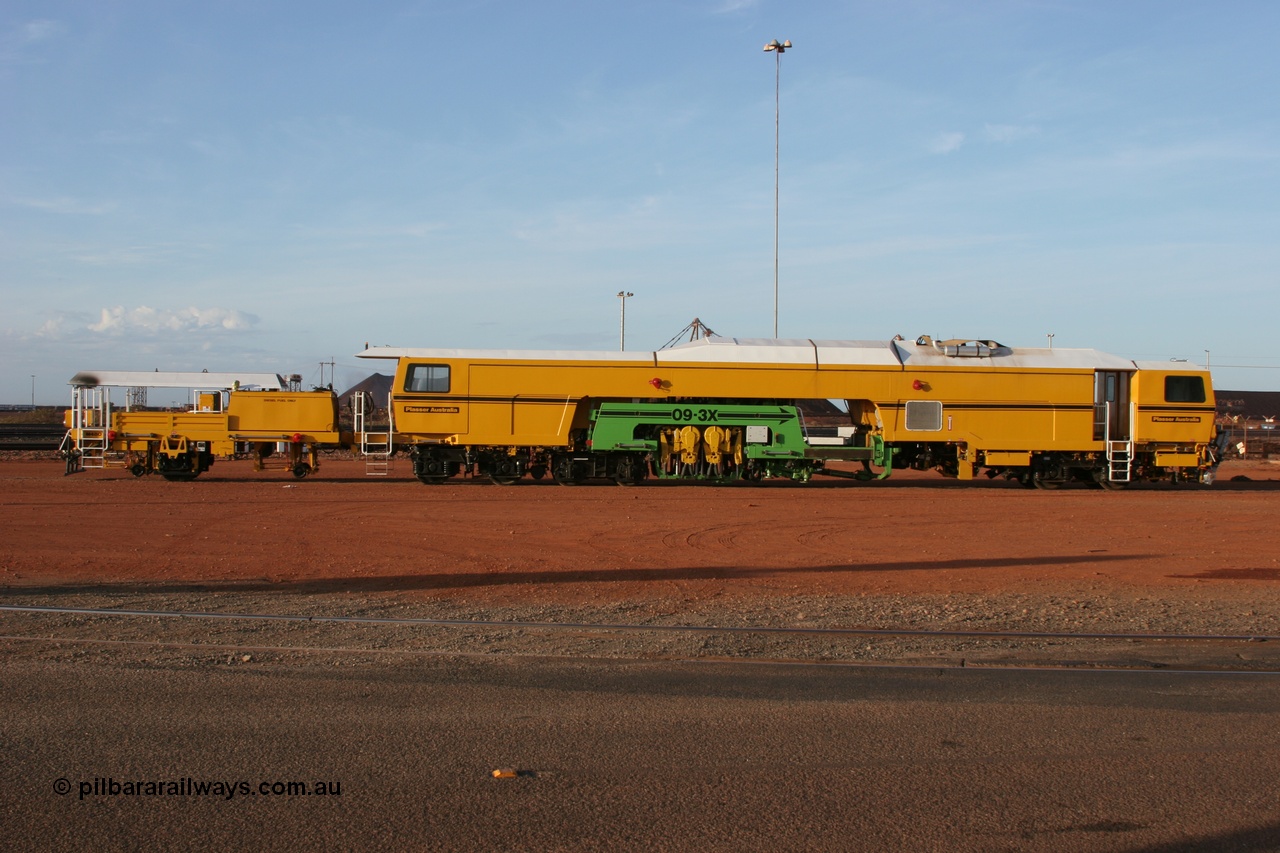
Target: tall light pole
x=1206 y=359
x=778 y=50
x=33 y=392
x=1050 y=337
x=622 y=319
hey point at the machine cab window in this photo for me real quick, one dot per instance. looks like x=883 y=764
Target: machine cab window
x=427 y=378
x=1184 y=389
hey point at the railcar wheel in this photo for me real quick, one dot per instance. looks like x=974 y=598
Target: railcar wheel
x=1048 y=485
x=567 y=472
x=301 y=470
x=628 y=480
x=537 y=472
x=629 y=471
x=138 y=469
x=505 y=470
x=432 y=469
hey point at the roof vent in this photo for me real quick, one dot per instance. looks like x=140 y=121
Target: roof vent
x=962 y=348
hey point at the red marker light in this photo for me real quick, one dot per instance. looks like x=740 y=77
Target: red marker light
x=111 y=435
x=297 y=438
x=916 y=385
x=655 y=382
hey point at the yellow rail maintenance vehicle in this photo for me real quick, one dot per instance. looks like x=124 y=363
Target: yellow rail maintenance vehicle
x=1046 y=417
x=260 y=415
x=729 y=409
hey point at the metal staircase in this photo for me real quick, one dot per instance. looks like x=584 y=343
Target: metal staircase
x=376 y=443
x=1119 y=461
x=90 y=425
x=1120 y=452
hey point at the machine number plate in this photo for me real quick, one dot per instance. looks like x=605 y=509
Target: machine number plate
x=705 y=416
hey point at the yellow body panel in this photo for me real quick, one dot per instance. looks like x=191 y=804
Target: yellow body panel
x=249 y=416
x=999 y=409
x=313 y=414
x=1008 y=457
x=136 y=430
x=539 y=403
x=1158 y=420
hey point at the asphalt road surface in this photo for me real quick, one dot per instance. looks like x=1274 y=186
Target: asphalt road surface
x=107 y=748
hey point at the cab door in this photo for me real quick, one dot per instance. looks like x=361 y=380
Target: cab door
x=431 y=399
x=1111 y=421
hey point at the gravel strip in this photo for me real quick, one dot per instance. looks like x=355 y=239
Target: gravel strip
x=65 y=634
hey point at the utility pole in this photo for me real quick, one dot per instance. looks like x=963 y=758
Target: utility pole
x=622 y=319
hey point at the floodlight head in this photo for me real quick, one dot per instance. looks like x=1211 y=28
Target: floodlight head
x=773 y=45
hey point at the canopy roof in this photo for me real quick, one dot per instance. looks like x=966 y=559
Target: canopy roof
x=157 y=379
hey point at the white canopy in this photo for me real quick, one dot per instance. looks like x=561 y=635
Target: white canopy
x=157 y=379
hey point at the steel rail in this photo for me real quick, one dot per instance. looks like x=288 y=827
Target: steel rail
x=1092 y=667
x=31 y=436
x=596 y=626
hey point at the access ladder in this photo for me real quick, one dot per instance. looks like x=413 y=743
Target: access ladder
x=376 y=445
x=90 y=431
x=1120 y=451
x=1119 y=461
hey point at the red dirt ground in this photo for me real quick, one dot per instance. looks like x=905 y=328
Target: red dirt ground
x=341 y=531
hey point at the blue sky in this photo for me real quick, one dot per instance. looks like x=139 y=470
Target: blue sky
x=244 y=186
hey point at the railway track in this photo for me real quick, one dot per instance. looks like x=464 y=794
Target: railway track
x=1064 y=638
x=31 y=436
x=604 y=626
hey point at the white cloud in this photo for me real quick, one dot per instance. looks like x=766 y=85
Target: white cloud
x=220 y=147
x=730 y=6
x=146 y=320
x=1009 y=132
x=588 y=227
x=39 y=30
x=415 y=230
x=65 y=204
x=945 y=143
x=52 y=327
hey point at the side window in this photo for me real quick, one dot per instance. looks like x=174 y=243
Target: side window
x=924 y=415
x=427 y=378
x=1184 y=389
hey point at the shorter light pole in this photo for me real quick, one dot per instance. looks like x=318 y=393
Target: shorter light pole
x=1050 y=337
x=1206 y=359
x=33 y=392
x=622 y=319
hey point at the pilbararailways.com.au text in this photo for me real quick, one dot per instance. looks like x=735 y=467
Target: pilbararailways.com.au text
x=189 y=787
